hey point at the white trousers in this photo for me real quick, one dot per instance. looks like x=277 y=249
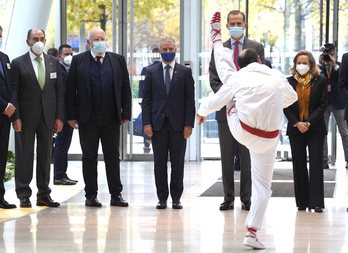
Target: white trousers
x=262 y=156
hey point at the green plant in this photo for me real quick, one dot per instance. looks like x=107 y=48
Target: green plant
x=10 y=166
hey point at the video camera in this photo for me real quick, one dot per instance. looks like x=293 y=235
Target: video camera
x=325 y=54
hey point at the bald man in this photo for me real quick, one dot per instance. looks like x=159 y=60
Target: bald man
x=98 y=102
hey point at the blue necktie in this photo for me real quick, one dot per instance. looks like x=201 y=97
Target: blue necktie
x=167 y=78
x=2 y=70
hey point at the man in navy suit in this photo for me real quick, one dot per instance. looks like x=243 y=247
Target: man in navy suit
x=168 y=117
x=40 y=111
x=98 y=101
x=8 y=103
x=63 y=139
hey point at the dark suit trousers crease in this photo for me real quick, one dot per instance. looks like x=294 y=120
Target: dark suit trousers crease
x=309 y=187
x=24 y=147
x=4 y=137
x=61 y=148
x=164 y=140
x=227 y=149
x=105 y=128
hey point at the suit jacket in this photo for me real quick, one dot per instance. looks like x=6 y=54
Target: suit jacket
x=78 y=90
x=8 y=88
x=317 y=106
x=334 y=97
x=179 y=104
x=32 y=100
x=143 y=73
x=343 y=82
x=215 y=82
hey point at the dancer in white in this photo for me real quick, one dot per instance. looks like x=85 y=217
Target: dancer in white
x=254 y=97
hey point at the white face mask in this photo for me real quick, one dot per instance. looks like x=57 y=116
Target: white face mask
x=302 y=69
x=67 y=59
x=38 y=47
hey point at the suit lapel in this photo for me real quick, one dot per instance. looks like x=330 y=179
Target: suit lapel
x=28 y=66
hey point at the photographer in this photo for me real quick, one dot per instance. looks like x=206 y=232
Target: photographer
x=336 y=104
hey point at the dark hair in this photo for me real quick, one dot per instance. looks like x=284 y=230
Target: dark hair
x=30 y=31
x=246 y=57
x=329 y=47
x=60 y=49
x=235 y=12
x=53 y=51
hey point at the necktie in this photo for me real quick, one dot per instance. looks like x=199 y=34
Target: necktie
x=235 y=54
x=40 y=72
x=98 y=60
x=2 y=70
x=167 y=78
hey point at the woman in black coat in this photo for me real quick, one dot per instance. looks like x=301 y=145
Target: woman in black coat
x=306 y=129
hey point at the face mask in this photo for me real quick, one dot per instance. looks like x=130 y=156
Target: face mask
x=168 y=56
x=99 y=47
x=0 y=42
x=236 y=32
x=38 y=47
x=302 y=69
x=67 y=59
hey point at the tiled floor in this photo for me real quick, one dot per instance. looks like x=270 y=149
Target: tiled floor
x=199 y=227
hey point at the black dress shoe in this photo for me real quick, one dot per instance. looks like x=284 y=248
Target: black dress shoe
x=227 y=205
x=25 y=202
x=72 y=180
x=47 y=201
x=64 y=181
x=162 y=204
x=318 y=209
x=177 y=204
x=301 y=208
x=93 y=201
x=5 y=205
x=118 y=201
x=246 y=205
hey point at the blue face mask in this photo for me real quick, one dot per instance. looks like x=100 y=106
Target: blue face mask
x=99 y=47
x=168 y=56
x=236 y=32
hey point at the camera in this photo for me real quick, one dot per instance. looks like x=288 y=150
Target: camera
x=325 y=54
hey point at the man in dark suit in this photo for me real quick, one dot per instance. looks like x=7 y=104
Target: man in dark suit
x=98 y=101
x=40 y=111
x=168 y=117
x=63 y=139
x=343 y=82
x=236 y=25
x=8 y=103
x=154 y=60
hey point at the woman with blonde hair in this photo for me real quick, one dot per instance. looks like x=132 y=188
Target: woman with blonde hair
x=306 y=129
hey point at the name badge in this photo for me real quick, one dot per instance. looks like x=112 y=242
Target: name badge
x=8 y=65
x=53 y=75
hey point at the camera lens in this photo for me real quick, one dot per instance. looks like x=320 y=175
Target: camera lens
x=326 y=57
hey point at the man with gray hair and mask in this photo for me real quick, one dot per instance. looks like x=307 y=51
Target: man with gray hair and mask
x=254 y=97
x=40 y=111
x=98 y=101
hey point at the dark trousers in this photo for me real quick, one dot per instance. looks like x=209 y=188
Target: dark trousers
x=4 y=136
x=309 y=190
x=24 y=142
x=164 y=140
x=228 y=152
x=105 y=128
x=61 y=148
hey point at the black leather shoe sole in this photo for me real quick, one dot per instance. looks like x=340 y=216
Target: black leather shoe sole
x=227 y=206
x=117 y=203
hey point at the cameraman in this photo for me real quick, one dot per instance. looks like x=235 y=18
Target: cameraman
x=336 y=104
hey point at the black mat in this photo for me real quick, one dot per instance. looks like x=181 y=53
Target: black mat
x=280 y=189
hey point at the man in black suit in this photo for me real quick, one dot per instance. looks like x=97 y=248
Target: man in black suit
x=168 y=117
x=98 y=101
x=40 y=111
x=236 y=25
x=8 y=103
x=63 y=139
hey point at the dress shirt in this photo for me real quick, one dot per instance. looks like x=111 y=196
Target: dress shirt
x=95 y=56
x=172 y=65
x=35 y=63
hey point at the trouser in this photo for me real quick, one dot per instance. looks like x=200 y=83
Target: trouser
x=262 y=156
